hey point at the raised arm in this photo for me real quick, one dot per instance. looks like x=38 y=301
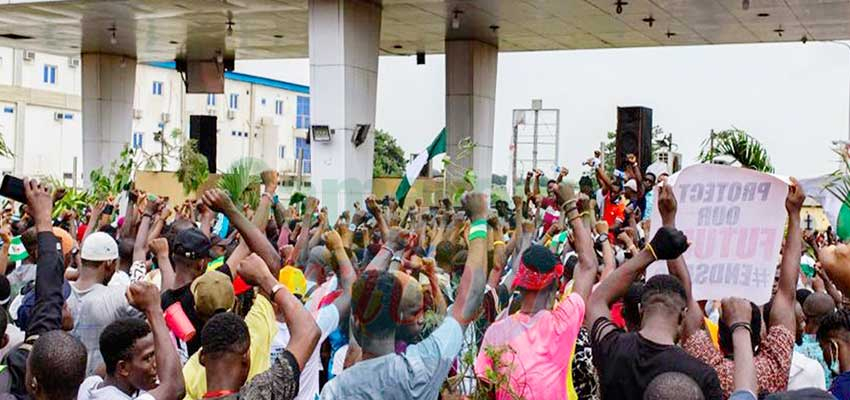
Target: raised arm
x=782 y=312
x=584 y=275
x=345 y=271
x=49 y=274
x=6 y=236
x=304 y=333
x=667 y=208
x=471 y=289
x=667 y=244
x=380 y=221
x=299 y=253
x=94 y=219
x=159 y=247
x=145 y=296
x=737 y=313
x=217 y=200
x=140 y=245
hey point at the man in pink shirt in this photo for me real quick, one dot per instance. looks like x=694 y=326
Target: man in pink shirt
x=536 y=343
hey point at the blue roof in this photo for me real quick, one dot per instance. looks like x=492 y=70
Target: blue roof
x=238 y=76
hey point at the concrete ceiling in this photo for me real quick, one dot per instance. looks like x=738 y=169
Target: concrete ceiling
x=155 y=30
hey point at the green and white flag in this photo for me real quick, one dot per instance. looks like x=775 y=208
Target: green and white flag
x=17 y=251
x=836 y=210
x=438 y=146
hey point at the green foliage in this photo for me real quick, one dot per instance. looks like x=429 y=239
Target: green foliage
x=389 y=157
x=457 y=179
x=738 y=145
x=167 y=150
x=114 y=180
x=242 y=179
x=5 y=151
x=839 y=180
x=75 y=199
x=193 y=170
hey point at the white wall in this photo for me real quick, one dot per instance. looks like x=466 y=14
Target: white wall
x=67 y=79
x=7 y=130
x=50 y=146
x=7 y=65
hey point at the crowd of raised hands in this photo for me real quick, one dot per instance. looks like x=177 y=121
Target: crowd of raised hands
x=543 y=297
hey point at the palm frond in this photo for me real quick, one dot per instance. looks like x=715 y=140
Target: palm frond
x=740 y=146
x=242 y=175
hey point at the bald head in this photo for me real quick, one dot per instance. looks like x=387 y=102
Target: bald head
x=818 y=304
x=673 y=385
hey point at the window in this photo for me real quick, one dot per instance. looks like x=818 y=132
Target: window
x=138 y=138
x=282 y=150
x=210 y=99
x=157 y=88
x=302 y=151
x=50 y=74
x=302 y=116
x=234 y=101
x=278 y=107
x=263 y=101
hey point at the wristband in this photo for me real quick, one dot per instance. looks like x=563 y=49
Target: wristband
x=276 y=288
x=478 y=230
x=745 y=325
x=498 y=242
x=649 y=248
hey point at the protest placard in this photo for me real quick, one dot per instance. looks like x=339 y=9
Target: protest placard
x=735 y=219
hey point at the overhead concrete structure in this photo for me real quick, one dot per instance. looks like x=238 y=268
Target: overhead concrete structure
x=344 y=38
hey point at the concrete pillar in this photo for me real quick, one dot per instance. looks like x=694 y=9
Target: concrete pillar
x=470 y=105
x=109 y=82
x=344 y=39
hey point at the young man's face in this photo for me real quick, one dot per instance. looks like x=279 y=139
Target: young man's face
x=648 y=182
x=551 y=188
x=141 y=368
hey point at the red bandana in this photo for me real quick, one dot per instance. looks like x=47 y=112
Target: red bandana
x=530 y=280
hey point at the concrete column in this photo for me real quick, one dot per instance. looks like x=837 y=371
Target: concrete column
x=344 y=39
x=109 y=82
x=470 y=104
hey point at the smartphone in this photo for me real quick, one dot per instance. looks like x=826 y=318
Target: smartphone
x=13 y=188
x=109 y=209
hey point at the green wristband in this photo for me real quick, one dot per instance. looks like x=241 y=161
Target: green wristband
x=477 y=235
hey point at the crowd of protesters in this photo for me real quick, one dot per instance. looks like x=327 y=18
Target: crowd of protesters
x=545 y=298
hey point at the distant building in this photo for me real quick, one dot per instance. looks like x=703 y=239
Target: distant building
x=41 y=116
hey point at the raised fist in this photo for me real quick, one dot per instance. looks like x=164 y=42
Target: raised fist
x=669 y=243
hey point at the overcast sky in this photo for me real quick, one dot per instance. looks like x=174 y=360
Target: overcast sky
x=792 y=97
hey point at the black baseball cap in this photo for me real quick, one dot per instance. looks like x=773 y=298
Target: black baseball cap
x=191 y=243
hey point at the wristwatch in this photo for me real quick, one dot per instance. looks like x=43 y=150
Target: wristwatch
x=276 y=288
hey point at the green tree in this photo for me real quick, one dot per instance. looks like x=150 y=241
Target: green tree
x=389 y=157
x=738 y=145
x=193 y=170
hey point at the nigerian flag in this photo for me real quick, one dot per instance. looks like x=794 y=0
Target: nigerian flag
x=17 y=251
x=836 y=211
x=438 y=146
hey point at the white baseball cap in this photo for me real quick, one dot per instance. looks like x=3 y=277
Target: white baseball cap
x=99 y=246
x=631 y=184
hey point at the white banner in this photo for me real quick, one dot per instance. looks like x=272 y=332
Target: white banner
x=735 y=219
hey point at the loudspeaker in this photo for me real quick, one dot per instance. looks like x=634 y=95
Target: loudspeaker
x=202 y=128
x=634 y=135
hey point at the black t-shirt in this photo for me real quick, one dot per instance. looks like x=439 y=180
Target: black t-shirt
x=187 y=301
x=627 y=363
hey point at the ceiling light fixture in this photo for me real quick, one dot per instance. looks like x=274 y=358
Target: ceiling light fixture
x=804 y=39
x=649 y=20
x=779 y=31
x=230 y=24
x=456 y=19
x=745 y=4
x=763 y=15
x=620 y=4
x=113 y=36
x=670 y=34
